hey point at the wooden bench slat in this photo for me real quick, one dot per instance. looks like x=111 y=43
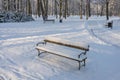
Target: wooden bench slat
x=61 y=53
x=67 y=43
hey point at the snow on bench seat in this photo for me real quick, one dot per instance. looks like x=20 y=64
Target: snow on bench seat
x=77 y=45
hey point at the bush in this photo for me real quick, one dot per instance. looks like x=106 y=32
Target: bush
x=15 y=17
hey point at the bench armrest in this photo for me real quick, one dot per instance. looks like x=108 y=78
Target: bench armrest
x=40 y=43
x=82 y=54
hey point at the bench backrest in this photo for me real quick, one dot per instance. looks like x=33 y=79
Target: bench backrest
x=67 y=43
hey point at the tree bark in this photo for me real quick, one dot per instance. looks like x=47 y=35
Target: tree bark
x=38 y=8
x=101 y=10
x=87 y=10
x=107 y=9
x=81 y=2
x=66 y=9
x=56 y=6
x=89 y=7
x=60 y=14
x=29 y=8
x=44 y=8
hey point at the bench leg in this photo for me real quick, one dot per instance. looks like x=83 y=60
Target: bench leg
x=84 y=62
x=38 y=52
x=79 y=64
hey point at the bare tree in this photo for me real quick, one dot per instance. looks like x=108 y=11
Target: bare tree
x=102 y=7
x=87 y=9
x=81 y=2
x=38 y=8
x=56 y=4
x=60 y=13
x=28 y=7
x=44 y=8
x=66 y=9
x=107 y=9
x=4 y=5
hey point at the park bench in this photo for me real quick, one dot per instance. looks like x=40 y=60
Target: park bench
x=49 y=20
x=109 y=24
x=64 y=48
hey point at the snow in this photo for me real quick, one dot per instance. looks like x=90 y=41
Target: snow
x=19 y=60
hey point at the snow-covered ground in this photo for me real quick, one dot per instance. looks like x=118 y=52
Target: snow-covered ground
x=19 y=60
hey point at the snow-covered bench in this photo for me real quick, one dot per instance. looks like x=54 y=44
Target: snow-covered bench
x=109 y=24
x=49 y=20
x=64 y=48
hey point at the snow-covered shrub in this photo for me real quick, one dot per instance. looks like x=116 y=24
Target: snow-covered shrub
x=2 y=17
x=15 y=17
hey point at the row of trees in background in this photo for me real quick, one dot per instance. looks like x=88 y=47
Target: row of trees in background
x=17 y=5
x=63 y=8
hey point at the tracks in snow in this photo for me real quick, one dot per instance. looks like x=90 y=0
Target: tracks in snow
x=22 y=73
x=101 y=33
x=9 y=70
x=28 y=39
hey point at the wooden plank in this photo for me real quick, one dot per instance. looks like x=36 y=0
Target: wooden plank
x=66 y=43
x=58 y=53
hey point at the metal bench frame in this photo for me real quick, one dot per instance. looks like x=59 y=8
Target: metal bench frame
x=80 y=62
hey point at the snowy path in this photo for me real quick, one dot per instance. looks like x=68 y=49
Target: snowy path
x=19 y=61
x=12 y=41
x=108 y=36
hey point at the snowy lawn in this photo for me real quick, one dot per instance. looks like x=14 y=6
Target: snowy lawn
x=19 y=60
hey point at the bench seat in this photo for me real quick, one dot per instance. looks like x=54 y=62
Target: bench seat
x=61 y=51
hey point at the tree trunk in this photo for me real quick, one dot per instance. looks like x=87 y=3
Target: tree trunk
x=17 y=4
x=87 y=11
x=38 y=8
x=81 y=2
x=29 y=8
x=5 y=5
x=89 y=7
x=101 y=10
x=21 y=6
x=107 y=9
x=66 y=9
x=44 y=8
x=56 y=11
x=60 y=14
